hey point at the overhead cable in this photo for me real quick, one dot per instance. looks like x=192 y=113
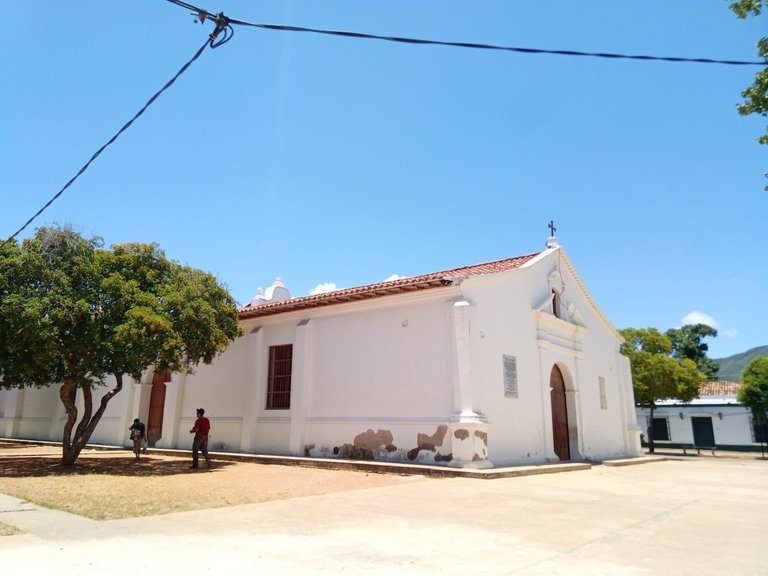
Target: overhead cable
x=212 y=41
x=202 y=14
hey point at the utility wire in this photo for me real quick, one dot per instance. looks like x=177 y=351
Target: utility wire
x=201 y=14
x=224 y=24
x=125 y=127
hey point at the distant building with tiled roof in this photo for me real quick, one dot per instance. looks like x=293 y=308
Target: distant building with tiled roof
x=714 y=420
x=719 y=388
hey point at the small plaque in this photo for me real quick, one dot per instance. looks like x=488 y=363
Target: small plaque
x=603 y=398
x=510 y=376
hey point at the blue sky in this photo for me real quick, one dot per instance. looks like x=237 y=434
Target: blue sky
x=328 y=160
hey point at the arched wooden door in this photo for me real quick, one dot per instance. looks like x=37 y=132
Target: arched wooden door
x=559 y=415
x=157 y=407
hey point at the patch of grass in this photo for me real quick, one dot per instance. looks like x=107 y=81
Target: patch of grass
x=106 y=485
x=8 y=530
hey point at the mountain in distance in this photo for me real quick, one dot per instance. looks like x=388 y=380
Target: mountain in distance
x=732 y=366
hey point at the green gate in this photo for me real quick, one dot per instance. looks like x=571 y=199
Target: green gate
x=703 y=434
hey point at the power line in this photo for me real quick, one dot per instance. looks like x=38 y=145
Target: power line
x=202 y=14
x=212 y=42
x=224 y=27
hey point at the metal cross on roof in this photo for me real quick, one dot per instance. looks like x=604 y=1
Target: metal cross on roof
x=552 y=228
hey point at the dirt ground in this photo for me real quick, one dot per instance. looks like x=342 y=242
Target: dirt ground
x=109 y=484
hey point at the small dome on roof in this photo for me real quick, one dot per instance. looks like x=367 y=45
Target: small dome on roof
x=274 y=293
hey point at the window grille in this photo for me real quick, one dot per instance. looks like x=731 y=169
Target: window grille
x=279 y=377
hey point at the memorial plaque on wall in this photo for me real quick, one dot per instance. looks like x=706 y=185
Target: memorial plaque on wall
x=510 y=376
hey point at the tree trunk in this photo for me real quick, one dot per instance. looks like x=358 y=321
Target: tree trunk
x=72 y=445
x=651 y=445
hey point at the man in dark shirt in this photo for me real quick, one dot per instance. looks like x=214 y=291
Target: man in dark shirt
x=200 y=443
x=138 y=431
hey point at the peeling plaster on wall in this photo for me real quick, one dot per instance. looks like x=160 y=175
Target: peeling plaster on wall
x=373 y=440
x=428 y=456
x=435 y=440
x=483 y=436
x=461 y=434
x=370 y=445
x=429 y=443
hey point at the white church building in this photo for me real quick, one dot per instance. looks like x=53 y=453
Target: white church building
x=499 y=363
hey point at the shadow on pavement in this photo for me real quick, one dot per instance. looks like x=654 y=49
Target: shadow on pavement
x=42 y=466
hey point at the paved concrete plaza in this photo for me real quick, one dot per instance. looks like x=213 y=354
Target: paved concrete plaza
x=694 y=516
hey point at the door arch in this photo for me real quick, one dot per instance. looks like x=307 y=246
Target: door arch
x=560 y=438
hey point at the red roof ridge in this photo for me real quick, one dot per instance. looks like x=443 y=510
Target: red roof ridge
x=386 y=288
x=719 y=388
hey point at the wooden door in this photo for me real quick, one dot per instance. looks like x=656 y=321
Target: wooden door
x=157 y=407
x=559 y=415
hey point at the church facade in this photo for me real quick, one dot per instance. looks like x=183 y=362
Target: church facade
x=501 y=363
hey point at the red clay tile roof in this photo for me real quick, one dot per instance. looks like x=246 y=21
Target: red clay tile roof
x=719 y=388
x=410 y=284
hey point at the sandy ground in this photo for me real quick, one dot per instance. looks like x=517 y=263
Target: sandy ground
x=110 y=484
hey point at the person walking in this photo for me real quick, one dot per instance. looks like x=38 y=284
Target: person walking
x=138 y=433
x=200 y=429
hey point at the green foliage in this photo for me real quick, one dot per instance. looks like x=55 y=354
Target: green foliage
x=731 y=367
x=753 y=391
x=687 y=343
x=656 y=375
x=756 y=95
x=72 y=313
x=744 y=8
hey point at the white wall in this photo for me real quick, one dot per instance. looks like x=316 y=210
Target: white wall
x=520 y=428
x=394 y=365
x=732 y=429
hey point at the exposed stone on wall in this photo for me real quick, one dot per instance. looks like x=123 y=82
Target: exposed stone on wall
x=350 y=452
x=378 y=445
x=483 y=436
x=429 y=443
x=414 y=453
x=312 y=451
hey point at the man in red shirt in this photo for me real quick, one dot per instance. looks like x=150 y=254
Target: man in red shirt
x=200 y=443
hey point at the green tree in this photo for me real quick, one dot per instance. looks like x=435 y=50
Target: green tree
x=72 y=313
x=756 y=95
x=656 y=375
x=687 y=343
x=753 y=390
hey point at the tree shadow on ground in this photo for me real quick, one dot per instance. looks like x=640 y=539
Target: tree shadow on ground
x=42 y=466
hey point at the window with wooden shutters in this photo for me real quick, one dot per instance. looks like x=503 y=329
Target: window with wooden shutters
x=279 y=377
